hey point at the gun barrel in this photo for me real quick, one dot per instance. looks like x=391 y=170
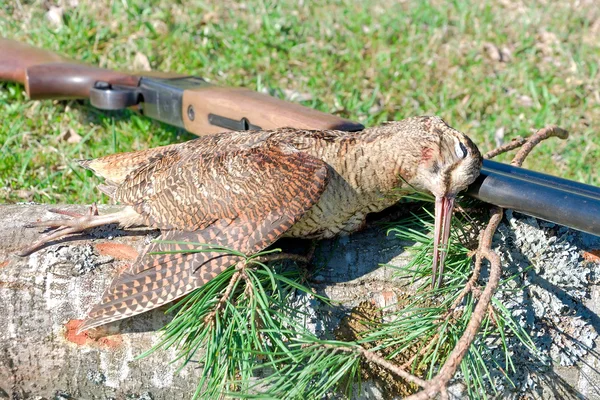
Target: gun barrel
x=539 y=195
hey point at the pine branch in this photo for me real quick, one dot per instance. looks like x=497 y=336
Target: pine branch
x=243 y=321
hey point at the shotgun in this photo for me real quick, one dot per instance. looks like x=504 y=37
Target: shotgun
x=562 y=201
x=192 y=103
x=184 y=101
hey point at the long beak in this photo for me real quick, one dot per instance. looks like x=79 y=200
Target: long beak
x=443 y=216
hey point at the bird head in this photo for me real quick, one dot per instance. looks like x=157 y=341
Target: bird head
x=448 y=162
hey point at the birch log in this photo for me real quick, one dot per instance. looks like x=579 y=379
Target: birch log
x=44 y=297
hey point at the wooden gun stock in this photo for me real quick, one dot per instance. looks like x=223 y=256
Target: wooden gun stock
x=185 y=101
x=18 y=57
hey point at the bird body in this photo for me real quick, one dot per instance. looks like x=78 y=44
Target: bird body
x=244 y=190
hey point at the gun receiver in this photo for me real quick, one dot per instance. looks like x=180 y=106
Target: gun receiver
x=188 y=102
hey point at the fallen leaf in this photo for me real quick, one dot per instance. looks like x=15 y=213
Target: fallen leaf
x=55 y=16
x=69 y=136
x=293 y=95
x=160 y=27
x=209 y=17
x=141 y=62
x=499 y=136
x=25 y=194
x=496 y=53
x=525 y=101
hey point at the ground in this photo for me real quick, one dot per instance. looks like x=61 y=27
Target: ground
x=494 y=70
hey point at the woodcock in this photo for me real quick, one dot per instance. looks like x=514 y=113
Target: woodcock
x=244 y=190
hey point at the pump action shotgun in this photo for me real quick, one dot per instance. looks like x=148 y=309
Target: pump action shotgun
x=201 y=108
x=184 y=101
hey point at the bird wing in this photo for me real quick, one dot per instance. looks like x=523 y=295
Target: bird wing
x=192 y=189
x=289 y=184
x=116 y=167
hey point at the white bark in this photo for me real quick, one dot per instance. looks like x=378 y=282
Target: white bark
x=42 y=297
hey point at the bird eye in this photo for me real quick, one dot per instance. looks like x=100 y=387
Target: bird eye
x=460 y=150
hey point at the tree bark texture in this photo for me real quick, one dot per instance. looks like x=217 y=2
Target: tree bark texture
x=45 y=296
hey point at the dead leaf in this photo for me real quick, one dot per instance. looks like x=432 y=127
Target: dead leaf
x=69 y=136
x=499 y=136
x=496 y=53
x=525 y=100
x=55 y=16
x=141 y=62
x=209 y=17
x=25 y=194
x=160 y=27
x=293 y=95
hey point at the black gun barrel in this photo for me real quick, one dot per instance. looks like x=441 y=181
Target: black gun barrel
x=572 y=204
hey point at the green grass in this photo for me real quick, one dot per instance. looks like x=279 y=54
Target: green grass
x=366 y=60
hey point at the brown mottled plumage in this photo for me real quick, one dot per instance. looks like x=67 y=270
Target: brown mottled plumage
x=244 y=190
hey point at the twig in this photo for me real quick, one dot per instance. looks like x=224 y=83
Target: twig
x=513 y=144
x=468 y=288
x=444 y=393
x=439 y=383
x=382 y=362
x=239 y=273
x=492 y=315
x=462 y=346
x=536 y=138
x=473 y=279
